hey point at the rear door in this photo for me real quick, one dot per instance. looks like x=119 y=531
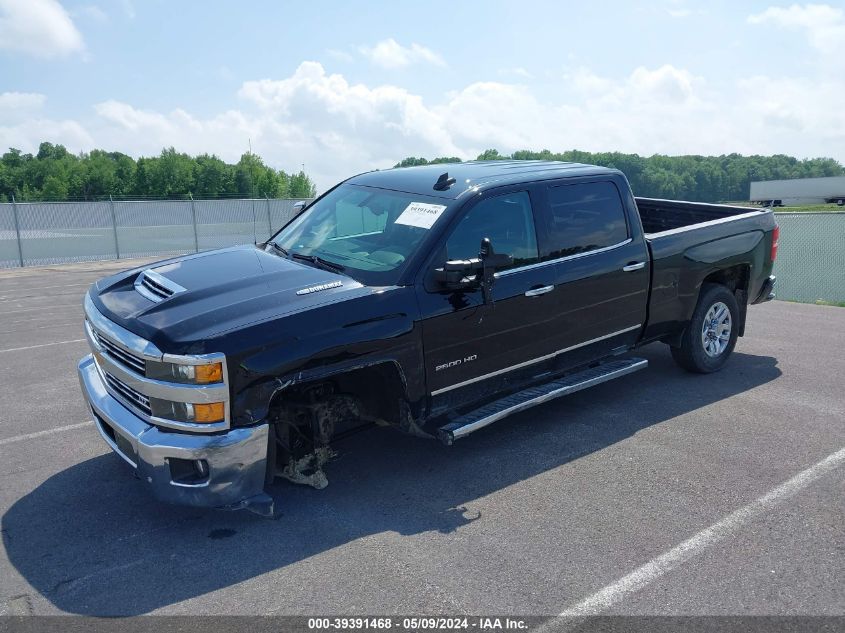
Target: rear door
x=601 y=274
x=472 y=348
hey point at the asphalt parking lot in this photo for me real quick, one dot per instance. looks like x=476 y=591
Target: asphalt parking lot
x=660 y=493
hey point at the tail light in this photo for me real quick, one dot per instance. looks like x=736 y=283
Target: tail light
x=775 y=238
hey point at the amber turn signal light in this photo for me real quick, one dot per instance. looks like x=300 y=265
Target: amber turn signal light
x=209 y=373
x=214 y=412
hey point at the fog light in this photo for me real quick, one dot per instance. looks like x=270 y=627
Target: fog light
x=189 y=472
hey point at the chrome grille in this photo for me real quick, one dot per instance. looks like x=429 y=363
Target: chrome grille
x=121 y=357
x=134 y=398
x=127 y=359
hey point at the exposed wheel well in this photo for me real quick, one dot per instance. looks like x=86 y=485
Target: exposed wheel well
x=378 y=389
x=307 y=416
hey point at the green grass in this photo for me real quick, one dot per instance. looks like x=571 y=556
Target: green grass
x=820 y=302
x=810 y=208
x=813 y=208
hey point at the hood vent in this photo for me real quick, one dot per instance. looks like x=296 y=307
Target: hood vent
x=155 y=287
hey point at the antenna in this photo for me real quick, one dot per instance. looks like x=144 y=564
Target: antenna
x=444 y=182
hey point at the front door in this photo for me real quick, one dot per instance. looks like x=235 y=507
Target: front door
x=471 y=348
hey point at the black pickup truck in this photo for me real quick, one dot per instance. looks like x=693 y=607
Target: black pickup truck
x=436 y=303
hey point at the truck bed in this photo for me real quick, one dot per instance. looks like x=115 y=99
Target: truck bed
x=667 y=215
x=691 y=240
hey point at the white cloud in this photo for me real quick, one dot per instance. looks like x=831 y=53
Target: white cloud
x=339 y=55
x=41 y=28
x=147 y=132
x=823 y=25
x=391 y=54
x=666 y=86
x=93 y=13
x=27 y=134
x=353 y=123
x=338 y=128
x=797 y=114
x=23 y=102
x=516 y=71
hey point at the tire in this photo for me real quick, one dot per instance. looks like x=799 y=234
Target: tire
x=704 y=348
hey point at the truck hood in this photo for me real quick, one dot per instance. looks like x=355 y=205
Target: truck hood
x=216 y=292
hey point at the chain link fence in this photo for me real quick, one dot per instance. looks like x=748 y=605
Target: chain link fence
x=42 y=233
x=810 y=265
x=811 y=257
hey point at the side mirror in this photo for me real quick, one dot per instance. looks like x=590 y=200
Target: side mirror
x=490 y=261
x=466 y=274
x=459 y=274
x=299 y=207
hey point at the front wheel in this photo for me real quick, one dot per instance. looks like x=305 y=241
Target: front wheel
x=711 y=334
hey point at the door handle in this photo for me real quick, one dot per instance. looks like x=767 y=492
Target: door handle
x=633 y=266
x=536 y=292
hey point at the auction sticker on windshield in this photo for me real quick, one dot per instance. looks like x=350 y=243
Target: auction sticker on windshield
x=420 y=214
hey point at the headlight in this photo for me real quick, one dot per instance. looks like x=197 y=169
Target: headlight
x=187 y=412
x=185 y=374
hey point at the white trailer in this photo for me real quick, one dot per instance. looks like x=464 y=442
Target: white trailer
x=799 y=191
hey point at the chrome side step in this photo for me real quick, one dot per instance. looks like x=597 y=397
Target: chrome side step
x=495 y=411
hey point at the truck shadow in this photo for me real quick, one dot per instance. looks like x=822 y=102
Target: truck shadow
x=91 y=542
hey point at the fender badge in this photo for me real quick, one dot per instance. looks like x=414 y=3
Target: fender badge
x=309 y=290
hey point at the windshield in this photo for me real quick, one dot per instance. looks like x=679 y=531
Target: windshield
x=370 y=233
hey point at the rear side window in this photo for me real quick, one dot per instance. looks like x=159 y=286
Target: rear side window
x=586 y=217
x=509 y=223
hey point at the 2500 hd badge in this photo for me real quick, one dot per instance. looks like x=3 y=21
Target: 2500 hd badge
x=455 y=363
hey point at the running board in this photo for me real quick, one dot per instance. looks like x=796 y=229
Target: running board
x=495 y=411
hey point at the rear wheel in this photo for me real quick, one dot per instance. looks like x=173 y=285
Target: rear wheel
x=711 y=334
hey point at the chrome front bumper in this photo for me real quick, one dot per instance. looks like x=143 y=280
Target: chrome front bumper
x=236 y=460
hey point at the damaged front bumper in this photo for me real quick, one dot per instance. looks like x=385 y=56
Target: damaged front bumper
x=221 y=470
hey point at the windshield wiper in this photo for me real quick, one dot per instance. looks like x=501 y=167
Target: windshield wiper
x=277 y=248
x=319 y=261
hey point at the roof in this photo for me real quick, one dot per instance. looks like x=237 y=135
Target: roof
x=473 y=175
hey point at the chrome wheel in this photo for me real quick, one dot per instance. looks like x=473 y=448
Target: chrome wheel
x=716 y=329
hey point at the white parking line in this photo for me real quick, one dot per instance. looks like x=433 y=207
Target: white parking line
x=27 y=288
x=37 y=318
x=31 y=436
x=38 y=327
x=666 y=562
x=20 y=349
x=42 y=308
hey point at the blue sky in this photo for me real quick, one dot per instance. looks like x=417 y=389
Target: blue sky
x=345 y=87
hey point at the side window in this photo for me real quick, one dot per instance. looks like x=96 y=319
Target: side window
x=509 y=223
x=585 y=217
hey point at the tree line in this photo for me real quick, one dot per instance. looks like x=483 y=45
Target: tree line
x=56 y=174
x=699 y=178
